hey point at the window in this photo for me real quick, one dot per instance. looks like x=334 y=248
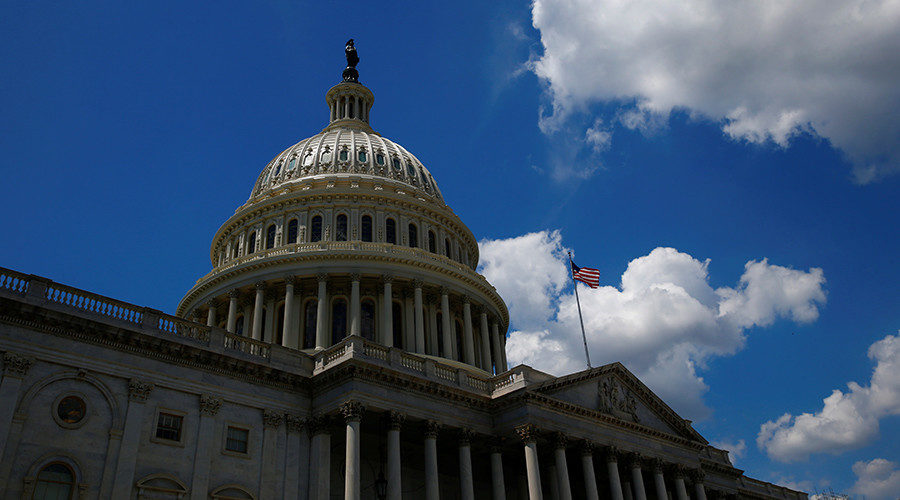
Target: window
x=251 y=244
x=338 y=320
x=168 y=426
x=343 y=155
x=396 y=164
x=315 y=230
x=54 y=482
x=326 y=156
x=410 y=170
x=379 y=159
x=236 y=439
x=361 y=156
x=397 y=323
x=71 y=410
x=278 y=170
x=279 y=325
x=447 y=247
x=310 y=315
x=308 y=160
x=413 y=236
x=440 y=334
x=293 y=163
x=340 y=233
x=459 y=340
x=239 y=325
x=234 y=249
x=390 y=229
x=367 y=323
x=270 y=237
x=292 y=231
x=431 y=244
x=366 y=228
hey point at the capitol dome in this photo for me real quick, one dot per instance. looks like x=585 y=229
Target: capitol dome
x=347 y=233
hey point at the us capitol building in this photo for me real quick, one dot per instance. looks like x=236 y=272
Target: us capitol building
x=342 y=346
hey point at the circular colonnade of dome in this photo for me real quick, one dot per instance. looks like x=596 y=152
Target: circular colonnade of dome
x=346 y=233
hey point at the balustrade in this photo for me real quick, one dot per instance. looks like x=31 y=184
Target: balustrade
x=13 y=281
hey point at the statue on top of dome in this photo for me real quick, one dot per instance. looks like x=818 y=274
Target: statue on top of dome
x=350 y=74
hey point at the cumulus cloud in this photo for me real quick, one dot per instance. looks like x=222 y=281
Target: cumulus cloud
x=847 y=420
x=877 y=479
x=663 y=320
x=735 y=449
x=766 y=71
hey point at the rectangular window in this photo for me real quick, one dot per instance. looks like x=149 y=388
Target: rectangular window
x=236 y=439
x=168 y=426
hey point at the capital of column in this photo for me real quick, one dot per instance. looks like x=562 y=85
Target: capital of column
x=528 y=433
x=679 y=471
x=352 y=411
x=318 y=424
x=209 y=405
x=322 y=277
x=355 y=277
x=560 y=440
x=233 y=293
x=496 y=444
x=612 y=454
x=587 y=447
x=289 y=279
x=272 y=418
x=387 y=278
x=466 y=299
x=445 y=290
x=211 y=303
x=465 y=436
x=658 y=465
x=138 y=390
x=395 y=420
x=16 y=365
x=417 y=283
x=635 y=460
x=697 y=475
x=432 y=428
x=295 y=423
x=260 y=285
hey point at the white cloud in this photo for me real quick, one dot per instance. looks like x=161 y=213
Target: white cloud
x=735 y=449
x=663 y=322
x=598 y=137
x=877 y=479
x=847 y=420
x=765 y=70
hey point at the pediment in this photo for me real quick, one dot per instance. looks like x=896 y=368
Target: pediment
x=615 y=391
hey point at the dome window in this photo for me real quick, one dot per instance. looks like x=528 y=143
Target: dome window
x=278 y=170
x=326 y=156
x=410 y=170
x=362 y=157
x=293 y=163
x=251 y=245
x=447 y=248
x=315 y=230
x=292 y=231
x=343 y=155
x=396 y=163
x=379 y=159
x=390 y=229
x=340 y=233
x=413 y=236
x=309 y=324
x=308 y=160
x=270 y=236
x=366 y=228
x=431 y=243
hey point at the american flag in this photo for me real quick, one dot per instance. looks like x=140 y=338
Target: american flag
x=586 y=275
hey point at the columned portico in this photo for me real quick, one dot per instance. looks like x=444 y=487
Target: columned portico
x=320 y=461
x=466 y=486
x=394 y=484
x=562 y=469
x=612 y=467
x=432 y=487
x=587 y=466
x=699 y=487
x=352 y=412
x=528 y=434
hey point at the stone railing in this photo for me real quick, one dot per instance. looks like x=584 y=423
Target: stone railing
x=13 y=281
x=92 y=303
x=247 y=345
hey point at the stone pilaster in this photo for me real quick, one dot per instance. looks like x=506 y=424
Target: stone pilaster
x=209 y=407
x=15 y=367
x=138 y=392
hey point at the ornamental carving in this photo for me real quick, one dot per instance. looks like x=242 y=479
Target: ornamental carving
x=528 y=433
x=387 y=279
x=233 y=293
x=289 y=279
x=432 y=428
x=16 y=365
x=417 y=283
x=295 y=423
x=352 y=411
x=138 y=390
x=617 y=400
x=560 y=440
x=496 y=444
x=272 y=418
x=395 y=420
x=318 y=424
x=322 y=277
x=658 y=465
x=355 y=277
x=612 y=454
x=465 y=436
x=209 y=405
x=587 y=447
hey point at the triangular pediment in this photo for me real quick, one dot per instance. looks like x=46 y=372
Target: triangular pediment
x=613 y=390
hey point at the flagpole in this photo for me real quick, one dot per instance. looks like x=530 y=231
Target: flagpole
x=580 y=318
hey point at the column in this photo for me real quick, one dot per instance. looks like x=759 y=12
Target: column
x=289 y=336
x=320 y=458
x=322 y=325
x=296 y=472
x=138 y=392
x=503 y=352
x=387 y=314
x=680 y=491
x=497 y=484
x=562 y=469
x=420 y=317
x=209 y=407
x=354 y=304
x=445 y=323
x=258 y=310
x=699 y=489
x=466 y=486
x=659 y=480
x=554 y=482
x=612 y=467
x=528 y=433
x=432 y=486
x=270 y=486
x=485 y=344
x=211 y=313
x=14 y=369
x=495 y=340
x=232 y=310
x=468 y=336
x=637 y=478
x=587 y=465
x=394 y=483
x=352 y=412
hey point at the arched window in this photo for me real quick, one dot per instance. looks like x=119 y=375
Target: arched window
x=338 y=320
x=432 y=247
x=459 y=340
x=270 y=237
x=315 y=230
x=447 y=247
x=362 y=156
x=292 y=231
x=251 y=243
x=340 y=233
x=397 y=320
x=413 y=236
x=367 y=319
x=310 y=314
x=279 y=325
x=239 y=325
x=343 y=155
x=390 y=231
x=54 y=481
x=234 y=249
x=366 y=228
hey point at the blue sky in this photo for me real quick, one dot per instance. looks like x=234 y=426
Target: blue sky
x=130 y=132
